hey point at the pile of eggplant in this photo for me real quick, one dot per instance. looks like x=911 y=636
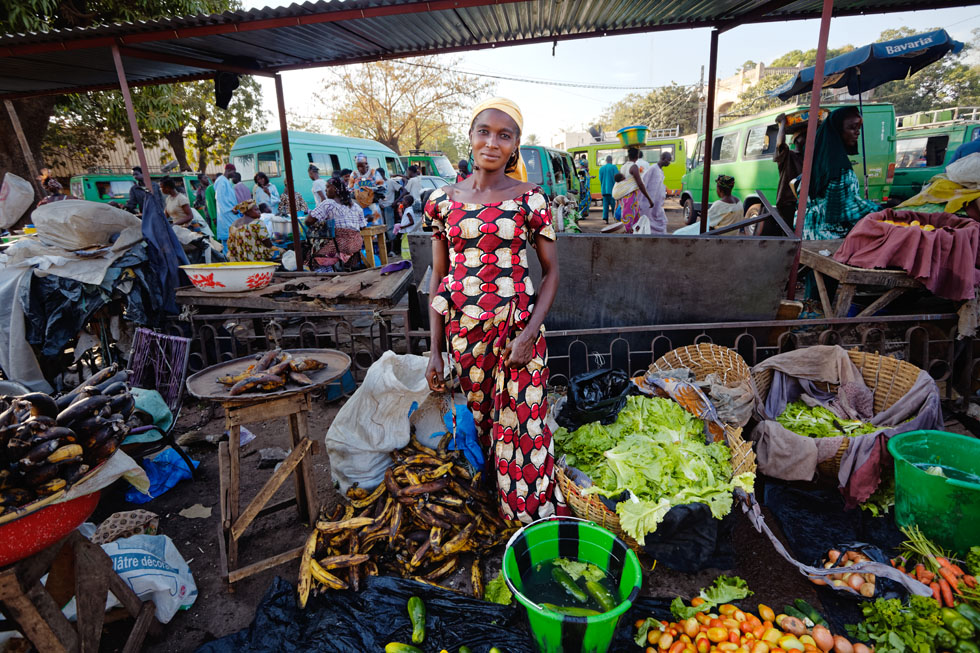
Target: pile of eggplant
x=48 y=444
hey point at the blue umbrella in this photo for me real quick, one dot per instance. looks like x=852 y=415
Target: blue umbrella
x=872 y=65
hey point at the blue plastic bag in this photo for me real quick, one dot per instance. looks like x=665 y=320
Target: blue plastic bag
x=166 y=470
x=466 y=440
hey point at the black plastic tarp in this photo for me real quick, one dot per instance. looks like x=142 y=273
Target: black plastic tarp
x=364 y=621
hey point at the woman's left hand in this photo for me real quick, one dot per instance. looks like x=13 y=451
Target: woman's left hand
x=519 y=351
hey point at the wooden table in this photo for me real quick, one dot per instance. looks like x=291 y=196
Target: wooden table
x=37 y=613
x=895 y=283
x=368 y=234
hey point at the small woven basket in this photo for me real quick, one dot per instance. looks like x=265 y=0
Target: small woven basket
x=704 y=359
x=889 y=379
x=591 y=507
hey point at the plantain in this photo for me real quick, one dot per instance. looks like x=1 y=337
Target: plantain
x=68 y=452
x=324 y=577
x=232 y=379
x=306 y=365
x=115 y=388
x=15 y=497
x=442 y=570
x=443 y=445
x=41 y=404
x=419 y=554
x=368 y=499
x=50 y=487
x=74 y=472
x=267 y=359
x=433 y=474
x=423 y=488
x=123 y=404
x=305 y=575
x=101 y=452
x=337 y=562
x=476 y=578
x=461 y=541
x=421 y=448
x=447 y=515
x=448 y=501
x=423 y=459
x=83 y=408
x=429 y=519
x=94 y=380
x=395 y=524
x=347 y=524
x=255 y=382
x=435 y=540
x=355 y=492
x=37 y=454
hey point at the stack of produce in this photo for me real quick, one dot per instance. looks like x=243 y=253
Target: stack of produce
x=657 y=452
x=47 y=444
x=820 y=422
x=271 y=371
x=861 y=583
x=417 y=524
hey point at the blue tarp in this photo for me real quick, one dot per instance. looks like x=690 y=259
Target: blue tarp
x=872 y=65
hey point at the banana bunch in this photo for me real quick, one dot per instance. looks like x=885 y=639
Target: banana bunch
x=427 y=514
x=47 y=444
x=271 y=371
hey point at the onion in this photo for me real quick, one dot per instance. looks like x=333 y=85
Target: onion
x=861 y=648
x=839 y=583
x=816 y=580
x=823 y=638
x=867 y=590
x=841 y=645
x=828 y=565
x=855 y=582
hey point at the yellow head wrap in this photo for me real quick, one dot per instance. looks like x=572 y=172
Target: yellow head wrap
x=519 y=170
x=242 y=207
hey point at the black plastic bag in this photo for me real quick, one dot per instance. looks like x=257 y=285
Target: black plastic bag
x=885 y=588
x=595 y=396
x=347 y=621
x=690 y=539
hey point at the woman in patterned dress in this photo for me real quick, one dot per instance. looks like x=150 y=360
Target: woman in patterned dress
x=485 y=309
x=248 y=239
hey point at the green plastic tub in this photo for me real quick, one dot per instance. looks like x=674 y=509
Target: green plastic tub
x=576 y=539
x=947 y=510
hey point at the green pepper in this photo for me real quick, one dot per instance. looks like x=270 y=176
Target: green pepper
x=966 y=646
x=957 y=624
x=944 y=639
x=416 y=612
x=969 y=613
x=601 y=594
x=562 y=578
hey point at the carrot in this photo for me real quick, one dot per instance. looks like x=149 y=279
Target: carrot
x=934 y=586
x=919 y=570
x=901 y=569
x=970 y=581
x=956 y=569
x=948 y=575
x=946 y=592
x=943 y=562
x=927 y=577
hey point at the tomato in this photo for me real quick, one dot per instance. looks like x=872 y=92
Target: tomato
x=703 y=644
x=677 y=647
x=738 y=615
x=728 y=647
x=758 y=631
x=734 y=636
x=727 y=609
x=691 y=627
x=665 y=641
x=716 y=623
x=745 y=627
x=717 y=635
x=730 y=624
x=696 y=601
x=766 y=613
x=760 y=647
x=702 y=618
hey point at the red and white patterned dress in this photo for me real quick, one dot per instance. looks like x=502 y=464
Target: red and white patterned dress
x=486 y=299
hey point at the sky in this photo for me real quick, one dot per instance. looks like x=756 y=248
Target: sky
x=639 y=60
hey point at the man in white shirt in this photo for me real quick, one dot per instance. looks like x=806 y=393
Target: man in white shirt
x=414 y=184
x=319 y=185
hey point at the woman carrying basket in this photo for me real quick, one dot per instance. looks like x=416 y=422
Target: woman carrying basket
x=484 y=308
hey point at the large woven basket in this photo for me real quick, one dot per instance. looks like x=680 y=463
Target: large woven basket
x=704 y=359
x=889 y=379
x=591 y=507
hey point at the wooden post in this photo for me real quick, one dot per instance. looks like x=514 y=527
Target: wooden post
x=131 y=114
x=25 y=148
x=288 y=165
x=811 y=135
x=709 y=126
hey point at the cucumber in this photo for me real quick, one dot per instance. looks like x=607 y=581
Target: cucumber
x=570 y=611
x=790 y=611
x=398 y=647
x=416 y=612
x=562 y=578
x=465 y=649
x=810 y=612
x=601 y=594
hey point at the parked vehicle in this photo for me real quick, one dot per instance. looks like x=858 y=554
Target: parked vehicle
x=744 y=149
x=926 y=142
x=113 y=186
x=262 y=152
x=431 y=164
x=427 y=183
x=553 y=170
x=658 y=141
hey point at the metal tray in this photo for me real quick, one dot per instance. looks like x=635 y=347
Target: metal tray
x=204 y=384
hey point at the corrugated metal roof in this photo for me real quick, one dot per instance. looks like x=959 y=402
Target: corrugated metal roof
x=327 y=33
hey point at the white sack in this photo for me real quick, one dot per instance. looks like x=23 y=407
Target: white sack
x=77 y=224
x=16 y=196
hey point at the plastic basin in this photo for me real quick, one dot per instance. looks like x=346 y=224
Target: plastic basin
x=38 y=530
x=577 y=539
x=632 y=135
x=230 y=277
x=947 y=510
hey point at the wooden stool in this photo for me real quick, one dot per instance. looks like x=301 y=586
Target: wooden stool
x=30 y=605
x=368 y=233
x=234 y=521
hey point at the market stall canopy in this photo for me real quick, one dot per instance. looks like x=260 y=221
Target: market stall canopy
x=270 y=40
x=872 y=65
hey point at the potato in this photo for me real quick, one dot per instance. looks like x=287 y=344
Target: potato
x=823 y=638
x=793 y=626
x=841 y=645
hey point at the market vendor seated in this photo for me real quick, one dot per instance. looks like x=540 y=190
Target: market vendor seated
x=248 y=239
x=726 y=210
x=326 y=249
x=835 y=201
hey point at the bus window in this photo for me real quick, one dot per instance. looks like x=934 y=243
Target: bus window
x=557 y=168
x=760 y=141
x=393 y=166
x=373 y=162
x=698 y=158
x=269 y=163
x=327 y=163
x=245 y=165
x=532 y=161
x=921 y=152
x=724 y=148
x=653 y=154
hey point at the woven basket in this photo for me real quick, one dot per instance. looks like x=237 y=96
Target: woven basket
x=704 y=359
x=889 y=379
x=591 y=507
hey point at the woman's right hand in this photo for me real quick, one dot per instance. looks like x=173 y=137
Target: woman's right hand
x=435 y=373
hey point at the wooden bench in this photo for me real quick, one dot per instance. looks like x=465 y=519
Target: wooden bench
x=369 y=234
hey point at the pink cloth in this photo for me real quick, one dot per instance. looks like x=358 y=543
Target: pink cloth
x=944 y=260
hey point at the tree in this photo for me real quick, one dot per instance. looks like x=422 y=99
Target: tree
x=41 y=15
x=756 y=98
x=665 y=107
x=387 y=101
x=749 y=65
x=213 y=131
x=530 y=139
x=808 y=58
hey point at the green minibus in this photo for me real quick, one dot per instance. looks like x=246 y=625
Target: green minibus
x=553 y=170
x=103 y=185
x=596 y=154
x=262 y=152
x=926 y=143
x=432 y=164
x=744 y=148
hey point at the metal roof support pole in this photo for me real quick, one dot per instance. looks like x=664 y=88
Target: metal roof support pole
x=288 y=165
x=24 y=147
x=709 y=127
x=811 y=136
x=131 y=114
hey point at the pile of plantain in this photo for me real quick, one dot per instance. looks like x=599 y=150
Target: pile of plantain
x=48 y=444
x=271 y=371
x=428 y=511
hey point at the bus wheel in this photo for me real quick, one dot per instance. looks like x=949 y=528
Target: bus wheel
x=688 y=206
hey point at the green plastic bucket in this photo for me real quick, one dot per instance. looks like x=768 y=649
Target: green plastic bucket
x=576 y=539
x=947 y=510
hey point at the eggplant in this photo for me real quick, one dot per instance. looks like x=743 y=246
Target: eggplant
x=84 y=408
x=123 y=404
x=119 y=377
x=41 y=404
